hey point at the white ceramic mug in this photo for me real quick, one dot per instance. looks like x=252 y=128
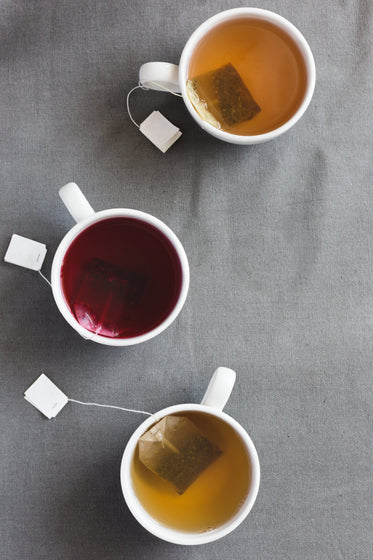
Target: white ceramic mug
x=85 y=216
x=213 y=402
x=174 y=78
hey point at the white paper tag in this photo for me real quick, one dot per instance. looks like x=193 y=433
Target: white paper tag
x=25 y=252
x=160 y=131
x=46 y=396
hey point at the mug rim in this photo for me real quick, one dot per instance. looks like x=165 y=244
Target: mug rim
x=150 y=523
x=65 y=243
x=271 y=17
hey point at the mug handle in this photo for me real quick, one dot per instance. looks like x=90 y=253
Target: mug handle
x=76 y=202
x=219 y=388
x=160 y=76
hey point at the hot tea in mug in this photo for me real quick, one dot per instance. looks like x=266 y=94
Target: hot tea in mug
x=216 y=494
x=190 y=473
x=121 y=277
x=246 y=76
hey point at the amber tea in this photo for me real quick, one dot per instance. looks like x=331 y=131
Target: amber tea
x=246 y=76
x=216 y=494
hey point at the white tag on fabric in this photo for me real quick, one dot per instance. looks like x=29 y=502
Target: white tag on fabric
x=25 y=252
x=46 y=396
x=160 y=131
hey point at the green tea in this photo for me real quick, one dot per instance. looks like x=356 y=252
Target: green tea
x=214 y=497
x=268 y=62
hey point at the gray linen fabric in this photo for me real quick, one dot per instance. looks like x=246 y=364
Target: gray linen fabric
x=279 y=239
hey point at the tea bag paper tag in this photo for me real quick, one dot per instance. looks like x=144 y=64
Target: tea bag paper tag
x=160 y=131
x=46 y=396
x=25 y=252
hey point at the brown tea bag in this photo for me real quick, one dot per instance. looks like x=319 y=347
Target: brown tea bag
x=177 y=451
x=221 y=97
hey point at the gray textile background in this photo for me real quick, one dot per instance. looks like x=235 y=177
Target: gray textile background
x=279 y=239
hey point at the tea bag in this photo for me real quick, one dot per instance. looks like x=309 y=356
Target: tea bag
x=177 y=451
x=221 y=97
x=107 y=297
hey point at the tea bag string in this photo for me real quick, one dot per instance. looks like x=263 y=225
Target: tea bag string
x=44 y=278
x=144 y=88
x=111 y=406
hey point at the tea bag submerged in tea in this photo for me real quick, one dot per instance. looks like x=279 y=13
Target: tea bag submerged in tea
x=177 y=451
x=221 y=97
x=107 y=297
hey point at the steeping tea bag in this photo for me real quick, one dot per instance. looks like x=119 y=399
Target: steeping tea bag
x=221 y=97
x=176 y=450
x=107 y=298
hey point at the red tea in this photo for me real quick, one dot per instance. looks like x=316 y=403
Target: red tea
x=121 y=277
